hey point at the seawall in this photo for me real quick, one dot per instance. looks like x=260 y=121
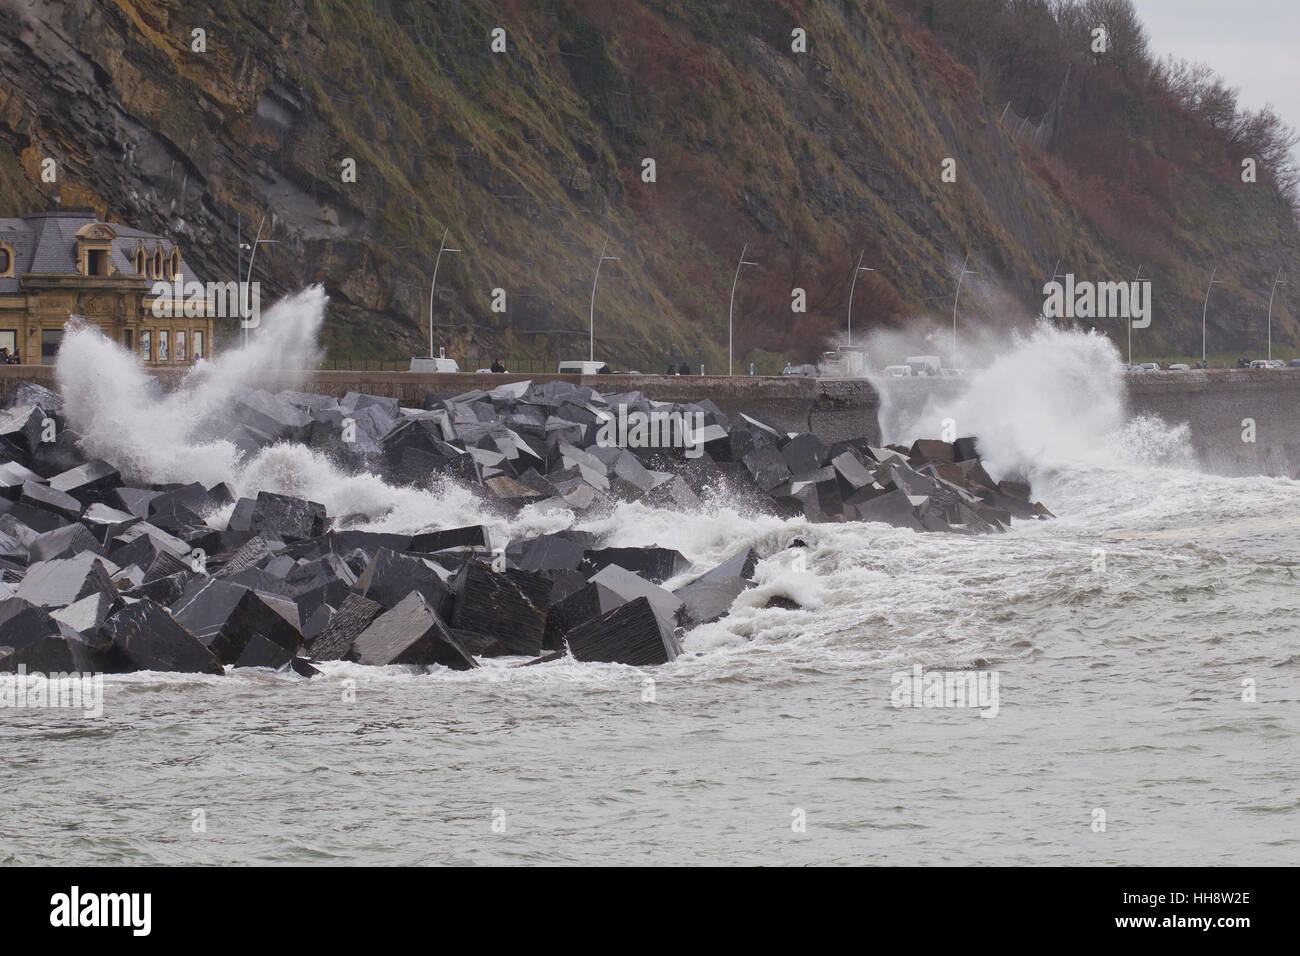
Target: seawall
x=1222 y=408
x=1215 y=404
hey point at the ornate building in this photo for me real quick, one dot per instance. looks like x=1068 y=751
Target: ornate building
x=65 y=262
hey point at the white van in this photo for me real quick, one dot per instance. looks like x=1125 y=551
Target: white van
x=434 y=365
x=924 y=364
x=576 y=367
x=898 y=371
x=844 y=362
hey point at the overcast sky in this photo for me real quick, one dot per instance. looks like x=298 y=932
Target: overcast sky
x=1250 y=43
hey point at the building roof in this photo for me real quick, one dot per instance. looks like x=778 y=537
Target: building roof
x=45 y=243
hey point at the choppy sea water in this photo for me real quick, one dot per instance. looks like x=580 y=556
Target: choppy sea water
x=1120 y=690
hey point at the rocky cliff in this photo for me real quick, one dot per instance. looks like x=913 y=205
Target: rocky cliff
x=532 y=156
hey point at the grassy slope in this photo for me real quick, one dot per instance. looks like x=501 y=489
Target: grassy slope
x=533 y=158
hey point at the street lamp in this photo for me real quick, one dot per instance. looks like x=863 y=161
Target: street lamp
x=1204 y=306
x=1276 y=280
x=243 y=293
x=1056 y=274
x=1130 y=321
x=442 y=247
x=240 y=246
x=860 y=268
x=964 y=272
x=591 y=341
x=731 y=308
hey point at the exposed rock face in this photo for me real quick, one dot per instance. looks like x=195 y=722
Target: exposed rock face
x=159 y=133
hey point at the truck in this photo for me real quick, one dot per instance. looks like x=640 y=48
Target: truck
x=848 y=361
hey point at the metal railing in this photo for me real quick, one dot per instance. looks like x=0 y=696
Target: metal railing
x=523 y=364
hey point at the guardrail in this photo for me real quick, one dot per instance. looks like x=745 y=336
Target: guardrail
x=523 y=364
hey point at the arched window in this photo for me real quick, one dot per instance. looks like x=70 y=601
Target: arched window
x=158 y=264
x=139 y=259
x=175 y=264
x=6 y=261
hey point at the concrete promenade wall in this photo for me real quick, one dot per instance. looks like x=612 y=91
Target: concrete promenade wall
x=1212 y=403
x=1215 y=403
x=833 y=409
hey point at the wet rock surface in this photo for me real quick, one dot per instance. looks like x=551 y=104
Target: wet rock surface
x=100 y=572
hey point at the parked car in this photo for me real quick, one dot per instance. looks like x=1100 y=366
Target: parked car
x=1150 y=366
x=810 y=370
x=1275 y=363
x=898 y=371
x=1295 y=363
x=1259 y=363
x=1180 y=367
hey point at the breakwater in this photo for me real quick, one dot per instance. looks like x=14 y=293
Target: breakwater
x=1239 y=421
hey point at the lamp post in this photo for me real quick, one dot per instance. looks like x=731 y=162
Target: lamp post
x=961 y=275
x=732 y=307
x=240 y=246
x=1137 y=278
x=442 y=247
x=240 y=268
x=243 y=293
x=591 y=335
x=852 y=285
x=1056 y=274
x=1276 y=281
x=1204 y=306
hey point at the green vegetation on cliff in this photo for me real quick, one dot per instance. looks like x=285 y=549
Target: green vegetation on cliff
x=533 y=157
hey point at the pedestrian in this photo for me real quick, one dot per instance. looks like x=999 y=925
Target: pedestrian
x=497 y=366
x=684 y=369
x=15 y=359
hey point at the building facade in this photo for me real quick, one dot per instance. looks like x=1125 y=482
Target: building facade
x=54 y=265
